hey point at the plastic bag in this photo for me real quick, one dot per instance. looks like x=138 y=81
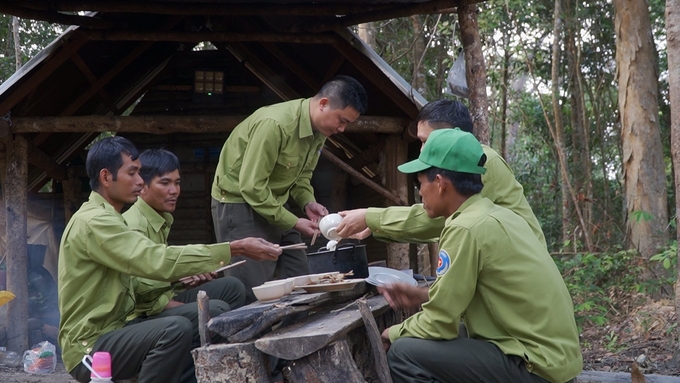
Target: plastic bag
x=456 y=78
x=41 y=359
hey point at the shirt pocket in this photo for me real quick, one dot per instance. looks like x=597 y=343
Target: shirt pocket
x=286 y=167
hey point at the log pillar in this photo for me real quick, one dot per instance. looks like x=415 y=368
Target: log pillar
x=395 y=154
x=15 y=193
x=73 y=197
x=475 y=71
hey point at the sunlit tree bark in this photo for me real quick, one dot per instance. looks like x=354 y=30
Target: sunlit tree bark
x=673 y=40
x=643 y=163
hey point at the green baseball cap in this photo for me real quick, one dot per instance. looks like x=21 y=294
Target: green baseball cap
x=449 y=149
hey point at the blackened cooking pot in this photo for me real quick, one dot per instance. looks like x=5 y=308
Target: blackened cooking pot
x=343 y=259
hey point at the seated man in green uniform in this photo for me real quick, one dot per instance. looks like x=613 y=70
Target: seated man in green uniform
x=151 y=216
x=98 y=256
x=411 y=224
x=494 y=273
x=269 y=158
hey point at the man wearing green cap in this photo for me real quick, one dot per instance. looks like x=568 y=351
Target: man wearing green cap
x=493 y=273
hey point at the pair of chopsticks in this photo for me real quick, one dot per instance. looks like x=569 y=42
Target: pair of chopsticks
x=297 y=246
x=190 y=278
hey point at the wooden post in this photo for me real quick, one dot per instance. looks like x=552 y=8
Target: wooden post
x=203 y=318
x=72 y=194
x=15 y=192
x=373 y=333
x=475 y=71
x=395 y=154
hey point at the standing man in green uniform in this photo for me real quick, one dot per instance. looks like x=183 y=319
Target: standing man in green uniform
x=411 y=224
x=268 y=158
x=97 y=257
x=495 y=274
x=151 y=215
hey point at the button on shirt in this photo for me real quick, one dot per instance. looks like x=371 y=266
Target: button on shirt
x=97 y=256
x=268 y=158
x=411 y=223
x=502 y=281
x=151 y=296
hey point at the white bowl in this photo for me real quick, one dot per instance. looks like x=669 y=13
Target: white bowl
x=301 y=280
x=328 y=224
x=289 y=283
x=269 y=291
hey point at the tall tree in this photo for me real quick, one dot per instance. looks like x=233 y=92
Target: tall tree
x=643 y=162
x=581 y=164
x=558 y=130
x=673 y=38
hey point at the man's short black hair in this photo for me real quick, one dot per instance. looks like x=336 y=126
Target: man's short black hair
x=344 y=91
x=156 y=163
x=467 y=184
x=108 y=154
x=446 y=114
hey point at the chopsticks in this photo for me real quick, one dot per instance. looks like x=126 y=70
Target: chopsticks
x=297 y=246
x=190 y=278
x=316 y=232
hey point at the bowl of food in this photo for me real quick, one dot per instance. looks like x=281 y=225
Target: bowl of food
x=270 y=291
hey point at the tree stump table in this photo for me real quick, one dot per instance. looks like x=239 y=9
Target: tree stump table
x=328 y=344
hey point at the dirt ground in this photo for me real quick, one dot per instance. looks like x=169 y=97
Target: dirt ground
x=645 y=332
x=17 y=375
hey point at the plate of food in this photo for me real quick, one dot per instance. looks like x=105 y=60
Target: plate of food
x=347 y=284
x=331 y=282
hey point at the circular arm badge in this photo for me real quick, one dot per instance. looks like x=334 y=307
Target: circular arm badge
x=444 y=263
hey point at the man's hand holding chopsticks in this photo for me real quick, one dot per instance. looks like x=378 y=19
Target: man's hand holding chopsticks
x=255 y=248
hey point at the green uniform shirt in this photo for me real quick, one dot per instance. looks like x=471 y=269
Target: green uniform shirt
x=411 y=223
x=151 y=296
x=97 y=256
x=268 y=158
x=501 y=280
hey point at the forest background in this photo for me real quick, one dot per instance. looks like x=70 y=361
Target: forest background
x=579 y=105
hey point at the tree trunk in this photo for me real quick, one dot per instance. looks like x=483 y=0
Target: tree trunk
x=17 y=42
x=475 y=71
x=418 y=80
x=673 y=49
x=367 y=34
x=643 y=163
x=557 y=117
x=583 y=184
x=504 y=95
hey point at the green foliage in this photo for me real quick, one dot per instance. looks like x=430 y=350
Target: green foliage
x=668 y=257
x=596 y=280
x=34 y=36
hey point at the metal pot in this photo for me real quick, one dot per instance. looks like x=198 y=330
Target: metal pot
x=343 y=259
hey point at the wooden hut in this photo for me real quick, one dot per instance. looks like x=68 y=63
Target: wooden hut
x=181 y=75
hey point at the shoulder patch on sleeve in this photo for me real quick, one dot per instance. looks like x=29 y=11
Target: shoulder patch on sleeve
x=444 y=263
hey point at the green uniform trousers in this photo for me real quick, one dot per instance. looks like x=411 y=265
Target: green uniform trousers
x=157 y=348
x=234 y=221
x=461 y=360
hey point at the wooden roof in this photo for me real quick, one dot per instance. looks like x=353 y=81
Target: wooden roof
x=269 y=51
